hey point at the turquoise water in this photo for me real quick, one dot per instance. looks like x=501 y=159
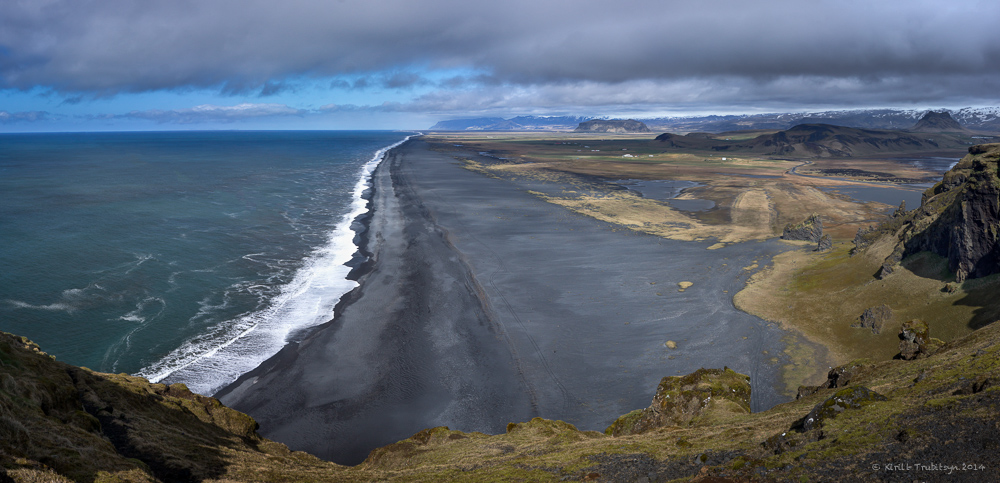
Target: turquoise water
x=186 y=256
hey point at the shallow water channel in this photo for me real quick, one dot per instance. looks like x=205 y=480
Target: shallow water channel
x=667 y=190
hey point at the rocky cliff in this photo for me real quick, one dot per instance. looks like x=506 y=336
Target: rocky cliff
x=60 y=423
x=958 y=218
x=619 y=126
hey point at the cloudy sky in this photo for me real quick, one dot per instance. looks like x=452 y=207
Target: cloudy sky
x=386 y=64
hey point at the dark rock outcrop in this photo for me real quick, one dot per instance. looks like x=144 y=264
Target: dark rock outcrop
x=825 y=243
x=901 y=210
x=854 y=397
x=863 y=238
x=612 y=126
x=683 y=400
x=915 y=341
x=839 y=376
x=810 y=229
x=874 y=318
x=809 y=428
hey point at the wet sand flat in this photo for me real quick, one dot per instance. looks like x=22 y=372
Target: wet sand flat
x=487 y=305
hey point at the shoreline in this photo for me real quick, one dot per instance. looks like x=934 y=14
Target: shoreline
x=302 y=303
x=361 y=264
x=409 y=348
x=471 y=314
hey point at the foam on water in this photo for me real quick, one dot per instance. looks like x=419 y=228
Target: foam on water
x=52 y=307
x=212 y=360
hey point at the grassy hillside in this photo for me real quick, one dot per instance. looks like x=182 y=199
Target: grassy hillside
x=63 y=423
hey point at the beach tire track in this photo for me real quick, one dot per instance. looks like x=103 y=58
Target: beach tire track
x=538 y=351
x=501 y=267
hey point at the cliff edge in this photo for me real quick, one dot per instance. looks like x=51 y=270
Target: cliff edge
x=60 y=423
x=958 y=218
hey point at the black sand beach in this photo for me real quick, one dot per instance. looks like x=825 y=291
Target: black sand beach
x=486 y=305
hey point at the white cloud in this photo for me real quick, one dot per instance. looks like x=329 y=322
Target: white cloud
x=24 y=116
x=212 y=113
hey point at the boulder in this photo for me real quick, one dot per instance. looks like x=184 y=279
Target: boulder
x=915 y=341
x=874 y=318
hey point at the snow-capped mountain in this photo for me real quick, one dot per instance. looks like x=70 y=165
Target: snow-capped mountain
x=973 y=118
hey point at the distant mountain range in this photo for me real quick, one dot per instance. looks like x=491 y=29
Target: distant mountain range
x=612 y=125
x=519 y=123
x=972 y=118
x=817 y=140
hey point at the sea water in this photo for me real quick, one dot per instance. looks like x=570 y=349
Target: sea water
x=183 y=257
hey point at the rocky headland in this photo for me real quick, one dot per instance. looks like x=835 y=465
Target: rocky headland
x=958 y=219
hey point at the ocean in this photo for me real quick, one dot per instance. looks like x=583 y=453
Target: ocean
x=178 y=256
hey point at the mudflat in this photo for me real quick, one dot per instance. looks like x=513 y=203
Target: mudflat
x=483 y=304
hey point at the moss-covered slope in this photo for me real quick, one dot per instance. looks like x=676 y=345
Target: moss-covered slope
x=62 y=423
x=941 y=410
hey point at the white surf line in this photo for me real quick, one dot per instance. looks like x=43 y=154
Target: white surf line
x=194 y=351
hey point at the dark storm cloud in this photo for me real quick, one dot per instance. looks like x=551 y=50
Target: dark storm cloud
x=272 y=88
x=396 y=80
x=404 y=80
x=239 y=46
x=732 y=94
